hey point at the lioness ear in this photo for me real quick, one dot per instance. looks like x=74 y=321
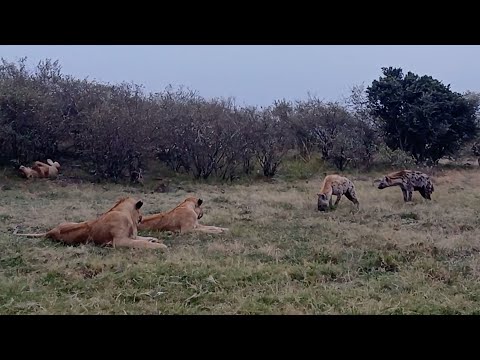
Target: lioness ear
x=139 y=204
x=199 y=202
x=50 y=162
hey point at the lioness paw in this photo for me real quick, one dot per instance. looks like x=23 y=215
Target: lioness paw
x=161 y=246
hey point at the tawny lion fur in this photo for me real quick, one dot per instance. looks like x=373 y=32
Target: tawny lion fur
x=41 y=170
x=117 y=227
x=336 y=185
x=183 y=218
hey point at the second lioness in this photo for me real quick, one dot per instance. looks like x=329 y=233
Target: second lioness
x=183 y=218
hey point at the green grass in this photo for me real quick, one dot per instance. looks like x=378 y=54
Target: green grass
x=281 y=256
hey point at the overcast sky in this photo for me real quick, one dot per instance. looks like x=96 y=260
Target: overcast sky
x=258 y=74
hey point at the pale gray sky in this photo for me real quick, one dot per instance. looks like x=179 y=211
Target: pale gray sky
x=258 y=74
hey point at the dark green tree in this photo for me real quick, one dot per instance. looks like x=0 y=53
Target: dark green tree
x=421 y=115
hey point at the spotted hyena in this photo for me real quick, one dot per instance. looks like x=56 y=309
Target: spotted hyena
x=336 y=185
x=409 y=181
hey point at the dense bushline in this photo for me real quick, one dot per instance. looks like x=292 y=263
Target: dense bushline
x=112 y=130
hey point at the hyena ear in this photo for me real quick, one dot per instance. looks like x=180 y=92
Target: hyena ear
x=199 y=202
x=139 y=204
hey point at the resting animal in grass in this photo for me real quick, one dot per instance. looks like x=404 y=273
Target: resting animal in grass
x=117 y=227
x=183 y=218
x=41 y=170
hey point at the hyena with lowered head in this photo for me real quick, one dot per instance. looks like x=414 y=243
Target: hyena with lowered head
x=336 y=185
x=409 y=181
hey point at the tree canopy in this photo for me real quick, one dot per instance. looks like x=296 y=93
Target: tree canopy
x=421 y=115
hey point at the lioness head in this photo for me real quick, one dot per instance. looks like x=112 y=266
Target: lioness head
x=197 y=203
x=137 y=214
x=198 y=209
x=385 y=182
x=26 y=171
x=323 y=202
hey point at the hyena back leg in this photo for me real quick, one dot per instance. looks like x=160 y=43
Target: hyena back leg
x=426 y=194
x=352 y=196
x=423 y=192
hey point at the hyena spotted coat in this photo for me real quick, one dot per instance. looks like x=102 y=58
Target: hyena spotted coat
x=409 y=181
x=336 y=185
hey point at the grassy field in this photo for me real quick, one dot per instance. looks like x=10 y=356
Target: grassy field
x=280 y=257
